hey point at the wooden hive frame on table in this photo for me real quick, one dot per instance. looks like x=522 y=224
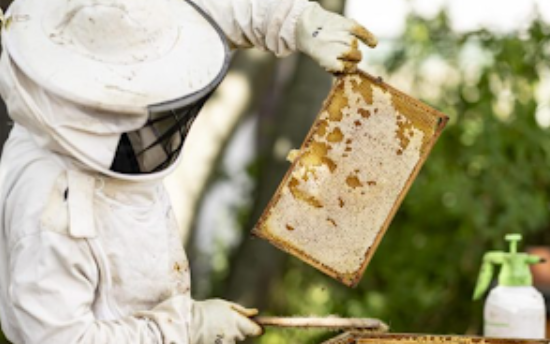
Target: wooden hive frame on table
x=369 y=143
x=357 y=338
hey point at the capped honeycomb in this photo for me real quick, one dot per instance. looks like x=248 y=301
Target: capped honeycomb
x=348 y=179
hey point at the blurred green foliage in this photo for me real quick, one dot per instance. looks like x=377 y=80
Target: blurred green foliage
x=488 y=176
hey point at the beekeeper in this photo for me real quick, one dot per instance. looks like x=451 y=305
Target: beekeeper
x=103 y=93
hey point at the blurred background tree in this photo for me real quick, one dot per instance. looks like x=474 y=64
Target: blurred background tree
x=486 y=177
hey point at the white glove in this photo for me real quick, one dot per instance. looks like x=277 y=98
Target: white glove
x=222 y=322
x=331 y=39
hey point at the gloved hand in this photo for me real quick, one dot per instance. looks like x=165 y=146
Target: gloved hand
x=222 y=322
x=331 y=39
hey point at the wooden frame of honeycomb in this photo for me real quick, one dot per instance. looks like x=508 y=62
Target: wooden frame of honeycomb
x=351 y=174
x=358 y=338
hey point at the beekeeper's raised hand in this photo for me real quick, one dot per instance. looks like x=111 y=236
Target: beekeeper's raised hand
x=331 y=39
x=222 y=322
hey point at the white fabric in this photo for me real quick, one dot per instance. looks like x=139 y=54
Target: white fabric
x=115 y=55
x=93 y=287
x=222 y=322
x=331 y=39
x=266 y=24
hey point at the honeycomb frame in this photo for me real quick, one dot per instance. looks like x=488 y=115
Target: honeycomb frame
x=359 y=109
x=358 y=338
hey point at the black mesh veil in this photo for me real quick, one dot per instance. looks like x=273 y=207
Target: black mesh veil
x=157 y=145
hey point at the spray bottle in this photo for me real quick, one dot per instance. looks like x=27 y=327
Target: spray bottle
x=514 y=309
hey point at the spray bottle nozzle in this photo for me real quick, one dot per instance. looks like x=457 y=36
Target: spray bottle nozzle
x=514 y=270
x=513 y=239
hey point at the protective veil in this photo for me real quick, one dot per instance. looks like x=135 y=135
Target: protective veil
x=89 y=248
x=138 y=75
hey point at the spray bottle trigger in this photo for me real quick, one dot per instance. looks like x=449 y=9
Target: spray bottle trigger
x=484 y=279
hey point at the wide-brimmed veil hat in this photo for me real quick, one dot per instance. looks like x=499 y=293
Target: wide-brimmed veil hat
x=155 y=62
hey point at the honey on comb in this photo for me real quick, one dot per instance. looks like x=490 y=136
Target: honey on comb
x=322 y=130
x=354 y=182
x=301 y=195
x=335 y=136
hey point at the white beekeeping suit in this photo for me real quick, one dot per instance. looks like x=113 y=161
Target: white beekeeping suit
x=103 y=93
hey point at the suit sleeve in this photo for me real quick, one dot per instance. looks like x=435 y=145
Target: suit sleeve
x=53 y=290
x=266 y=24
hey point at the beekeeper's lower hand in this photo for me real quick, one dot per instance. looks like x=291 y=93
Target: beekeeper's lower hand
x=222 y=322
x=331 y=39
